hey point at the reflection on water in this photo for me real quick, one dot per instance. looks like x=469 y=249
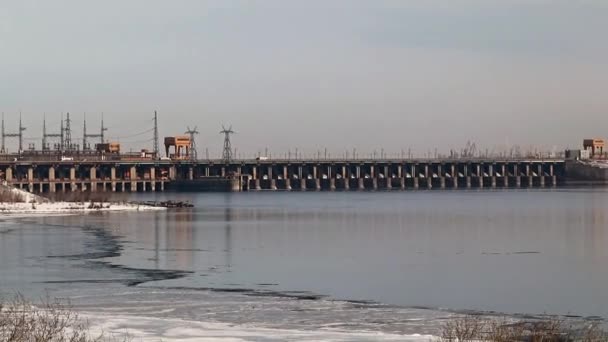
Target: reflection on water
x=508 y=251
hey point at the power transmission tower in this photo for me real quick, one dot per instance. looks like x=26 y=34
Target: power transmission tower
x=12 y=135
x=3 y=149
x=85 y=136
x=156 y=135
x=67 y=137
x=227 y=153
x=45 y=135
x=193 y=152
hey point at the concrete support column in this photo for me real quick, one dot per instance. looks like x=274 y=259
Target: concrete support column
x=402 y=183
x=207 y=171
x=73 y=179
x=190 y=173
x=273 y=182
x=8 y=174
x=113 y=178
x=288 y=184
x=400 y=171
x=542 y=181
x=314 y=172
x=361 y=183
x=415 y=177
x=133 y=178
x=30 y=179
x=52 y=187
x=93 y=177
x=372 y=171
x=153 y=179
x=454 y=174
x=172 y=173
x=441 y=176
x=300 y=172
x=256 y=179
x=332 y=184
x=428 y=177
x=468 y=182
x=258 y=186
x=388 y=176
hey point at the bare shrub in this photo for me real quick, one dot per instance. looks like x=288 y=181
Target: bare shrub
x=467 y=328
x=593 y=333
x=49 y=321
x=84 y=197
x=472 y=328
x=8 y=196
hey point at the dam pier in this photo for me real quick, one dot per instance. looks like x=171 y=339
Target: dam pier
x=45 y=176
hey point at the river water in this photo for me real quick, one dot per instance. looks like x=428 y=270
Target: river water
x=311 y=266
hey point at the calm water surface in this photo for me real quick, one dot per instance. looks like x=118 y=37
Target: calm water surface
x=357 y=257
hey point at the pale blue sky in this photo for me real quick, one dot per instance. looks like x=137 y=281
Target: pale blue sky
x=309 y=74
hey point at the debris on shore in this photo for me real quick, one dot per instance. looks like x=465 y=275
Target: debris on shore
x=165 y=204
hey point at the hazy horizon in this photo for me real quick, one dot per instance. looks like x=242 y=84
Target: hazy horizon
x=311 y=75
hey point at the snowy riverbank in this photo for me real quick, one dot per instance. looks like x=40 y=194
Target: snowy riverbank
x=70 y=207
x=28 y=203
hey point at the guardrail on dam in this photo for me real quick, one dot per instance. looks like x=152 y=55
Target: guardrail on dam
x=251 y=175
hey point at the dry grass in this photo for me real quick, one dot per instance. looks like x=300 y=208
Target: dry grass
x=83 y=197
x=474 y=328
x=8 y=196
x=49 y=321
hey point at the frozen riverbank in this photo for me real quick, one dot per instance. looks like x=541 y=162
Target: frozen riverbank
x=70 y=207
x=16 y=201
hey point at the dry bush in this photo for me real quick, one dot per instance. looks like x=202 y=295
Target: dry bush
x=8 y=196
x=473 y=328
x=50 y=321
x=467 y=328
x=83 y=197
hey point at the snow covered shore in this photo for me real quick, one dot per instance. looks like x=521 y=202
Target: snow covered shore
x=70 y=207
x=33 y=204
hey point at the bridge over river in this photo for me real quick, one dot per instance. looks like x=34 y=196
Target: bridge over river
x=92 y=174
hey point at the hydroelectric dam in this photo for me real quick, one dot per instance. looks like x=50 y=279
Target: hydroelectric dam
x=97 y=175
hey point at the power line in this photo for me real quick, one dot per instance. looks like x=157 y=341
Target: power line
x=133 y=135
